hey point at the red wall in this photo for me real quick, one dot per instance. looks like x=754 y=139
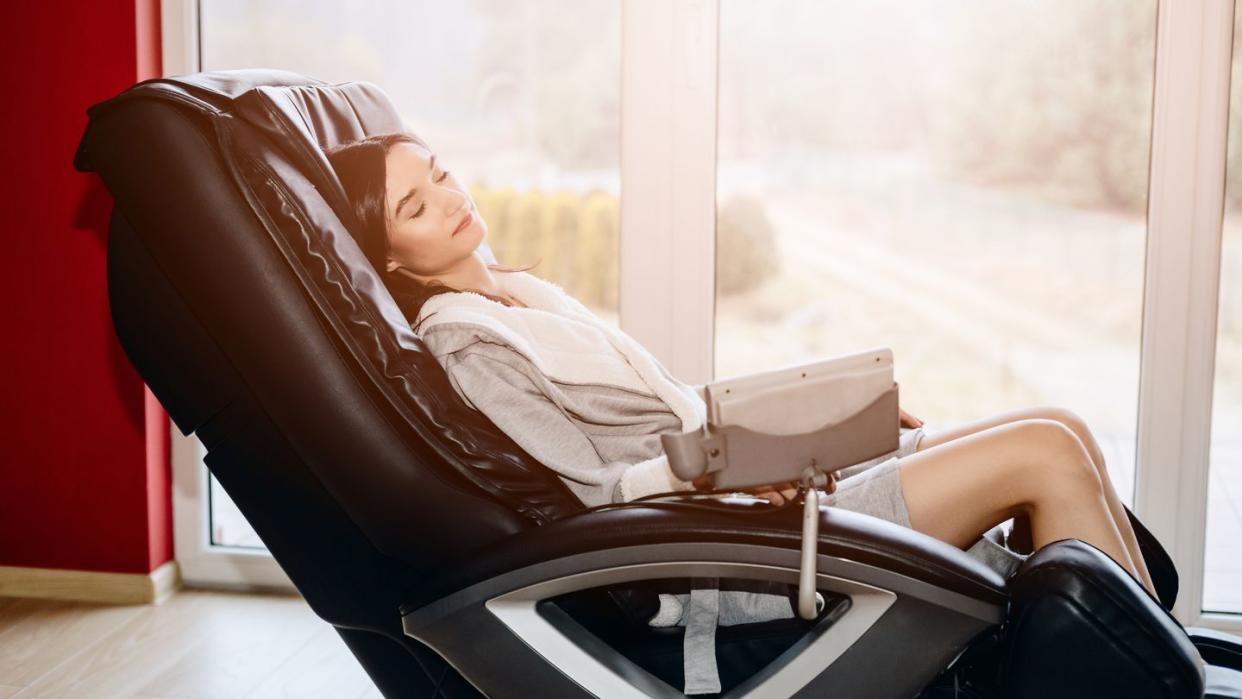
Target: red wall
x=84 y=477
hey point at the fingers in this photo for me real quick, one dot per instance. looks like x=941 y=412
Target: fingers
x=773 y=496
x=908 y=420
x=777 y=495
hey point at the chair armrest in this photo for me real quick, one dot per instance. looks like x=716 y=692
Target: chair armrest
x=628 y=532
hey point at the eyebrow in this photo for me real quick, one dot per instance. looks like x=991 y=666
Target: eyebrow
x=413 y=190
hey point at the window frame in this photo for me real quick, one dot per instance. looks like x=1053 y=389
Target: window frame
x=1194 y=49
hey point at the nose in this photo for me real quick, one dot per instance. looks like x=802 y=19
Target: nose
x=463 y=200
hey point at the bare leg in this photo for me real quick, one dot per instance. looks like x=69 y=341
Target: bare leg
x=1022 y=525
x=957 y=490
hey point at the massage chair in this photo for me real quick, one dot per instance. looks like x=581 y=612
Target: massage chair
x=451 y=562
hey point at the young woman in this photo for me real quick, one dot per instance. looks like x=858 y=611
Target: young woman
x=419 y=227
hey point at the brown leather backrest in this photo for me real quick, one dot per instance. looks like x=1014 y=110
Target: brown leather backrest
x=271 y=129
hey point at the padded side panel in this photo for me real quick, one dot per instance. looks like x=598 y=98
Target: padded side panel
x=177 y=359
x=1081 y=626
x=316 y=543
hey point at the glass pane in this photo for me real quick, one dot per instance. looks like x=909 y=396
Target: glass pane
x=1222 y=579
x=520 y=99
x=963 y=182
x=228 y=526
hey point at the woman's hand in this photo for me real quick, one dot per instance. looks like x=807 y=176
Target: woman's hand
x=776 y=493
x=781 y=493
x=908 y=420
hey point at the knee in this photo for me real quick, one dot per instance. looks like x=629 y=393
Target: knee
x=1066 y=417
x=1058 y=456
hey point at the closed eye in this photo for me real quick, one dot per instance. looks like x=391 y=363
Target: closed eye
x=423 y=205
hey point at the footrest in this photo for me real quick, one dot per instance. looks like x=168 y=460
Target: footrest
x=1081 y=626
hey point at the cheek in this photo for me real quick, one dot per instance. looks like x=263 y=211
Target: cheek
x=421 y=242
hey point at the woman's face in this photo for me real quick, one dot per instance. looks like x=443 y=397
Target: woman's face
x=432 y=222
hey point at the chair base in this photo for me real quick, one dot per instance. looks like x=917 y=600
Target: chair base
x=405 y=668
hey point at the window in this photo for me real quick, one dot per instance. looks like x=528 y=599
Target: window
x=965 y=183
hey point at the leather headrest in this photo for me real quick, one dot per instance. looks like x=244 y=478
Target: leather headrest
x=308 y=119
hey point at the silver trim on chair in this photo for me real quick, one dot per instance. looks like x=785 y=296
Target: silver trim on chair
x=496 y=632
x=830 y=638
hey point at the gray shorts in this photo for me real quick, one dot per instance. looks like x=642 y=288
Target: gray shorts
x=873 y=487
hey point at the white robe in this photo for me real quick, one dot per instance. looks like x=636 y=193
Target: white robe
x=569 y=344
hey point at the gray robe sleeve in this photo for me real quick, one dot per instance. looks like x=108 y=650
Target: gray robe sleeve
x=512 y=401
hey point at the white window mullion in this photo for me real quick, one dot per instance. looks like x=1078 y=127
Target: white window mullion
x=1189 y=130
x=668 y=181
x=179 y=32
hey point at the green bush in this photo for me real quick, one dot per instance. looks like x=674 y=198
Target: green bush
x=746 y=254
x=575 y=238
x=572 y=236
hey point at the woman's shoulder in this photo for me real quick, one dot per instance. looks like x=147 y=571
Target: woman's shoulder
x=457 y=333
x=455 y=304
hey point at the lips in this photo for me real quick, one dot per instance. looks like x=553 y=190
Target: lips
x=465 y=222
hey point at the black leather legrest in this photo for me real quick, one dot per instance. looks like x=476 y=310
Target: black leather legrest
x=449 y=560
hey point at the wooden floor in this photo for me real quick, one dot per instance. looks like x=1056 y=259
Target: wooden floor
x=196 y=644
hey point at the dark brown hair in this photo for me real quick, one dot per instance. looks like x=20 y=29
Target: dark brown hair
x=361 y=167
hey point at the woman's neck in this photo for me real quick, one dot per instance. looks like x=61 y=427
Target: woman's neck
x=470 y=274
